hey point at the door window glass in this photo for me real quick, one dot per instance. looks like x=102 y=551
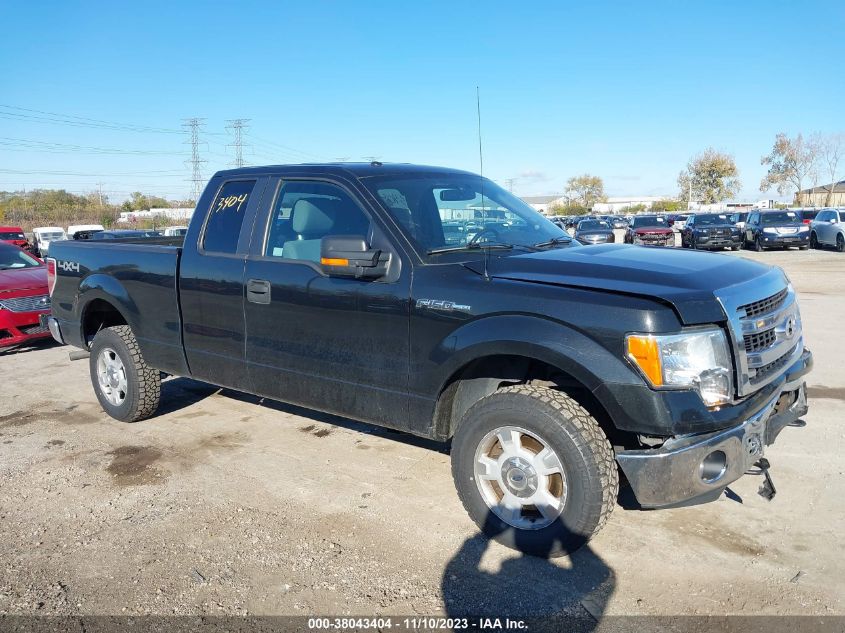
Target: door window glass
x=306 y=212
x=226 y=216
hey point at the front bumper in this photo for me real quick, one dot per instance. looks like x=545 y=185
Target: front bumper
x=785 y=240
x=718 y=242
x=663 y=240
x=694 y=469
x=19 y=327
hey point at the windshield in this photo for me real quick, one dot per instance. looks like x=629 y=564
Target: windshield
x=781 y=217
x=12 y=235
x=441 y=211
x=710 y=220
x=13 y=257
x=739 y=217
x=593 y=225
x=50 y=237
x=649 y=220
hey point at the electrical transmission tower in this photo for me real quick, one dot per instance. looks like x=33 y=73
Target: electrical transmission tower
x=509 y=182
x=193 y=126
x=238 y=128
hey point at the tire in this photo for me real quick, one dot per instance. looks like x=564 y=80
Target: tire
x=758 y=245
x=127 y=388
x=840 y=243
x=541 y=419
x=735 y=247
x=814 y=240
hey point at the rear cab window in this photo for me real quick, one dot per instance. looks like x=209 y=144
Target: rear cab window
x=226 y=216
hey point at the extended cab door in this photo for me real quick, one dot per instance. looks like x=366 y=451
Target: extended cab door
x=211 y=286
x=336 y=344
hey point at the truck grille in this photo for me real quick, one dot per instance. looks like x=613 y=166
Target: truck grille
x=765 y=332
x=756 y=342
x=769 y=304
x=26 y=304
x=772 y=369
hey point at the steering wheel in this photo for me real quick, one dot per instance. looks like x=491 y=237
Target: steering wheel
x=477 y=237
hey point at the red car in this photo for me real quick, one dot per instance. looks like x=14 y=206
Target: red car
x=13 y=235
x=23 y=296
x=650 y=230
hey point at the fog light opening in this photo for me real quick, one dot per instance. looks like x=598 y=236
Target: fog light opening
x=713 y=467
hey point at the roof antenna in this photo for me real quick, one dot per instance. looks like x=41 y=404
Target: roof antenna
x=481 y=174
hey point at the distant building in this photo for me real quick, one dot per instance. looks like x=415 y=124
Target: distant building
x=182 y=215
x=818 y=196
x=621 y=203
x=544 y=203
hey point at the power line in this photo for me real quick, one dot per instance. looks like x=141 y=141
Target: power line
x=193 y=126
x=65 y=148
x=18 y=113
x=238 y=128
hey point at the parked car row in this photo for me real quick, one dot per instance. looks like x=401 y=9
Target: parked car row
x=43 y=236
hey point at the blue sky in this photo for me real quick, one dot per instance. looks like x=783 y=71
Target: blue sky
x=628 y=91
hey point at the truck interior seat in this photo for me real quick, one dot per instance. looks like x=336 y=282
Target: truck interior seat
x=311 y=219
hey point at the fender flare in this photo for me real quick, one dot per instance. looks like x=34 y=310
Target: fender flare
x=110 y=290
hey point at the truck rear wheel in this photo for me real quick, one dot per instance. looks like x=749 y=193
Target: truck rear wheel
x=534 y=470
x=127 y=388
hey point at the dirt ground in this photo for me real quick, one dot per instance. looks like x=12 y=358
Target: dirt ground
x=223 y=504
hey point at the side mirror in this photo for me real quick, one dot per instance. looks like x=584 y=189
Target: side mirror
x=351 y=256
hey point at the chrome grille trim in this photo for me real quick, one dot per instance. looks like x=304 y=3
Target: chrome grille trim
x=35 y=303
x=765 y=332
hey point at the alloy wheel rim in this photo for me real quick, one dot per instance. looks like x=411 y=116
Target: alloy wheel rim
x=111 y=376
x=520 y=478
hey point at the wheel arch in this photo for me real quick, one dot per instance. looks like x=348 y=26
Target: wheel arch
x=557 y=356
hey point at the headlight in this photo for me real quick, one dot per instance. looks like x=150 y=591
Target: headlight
x=698 y=359
x=803 y=228
x=769 y=231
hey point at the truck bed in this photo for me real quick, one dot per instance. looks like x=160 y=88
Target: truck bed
x=128 y=274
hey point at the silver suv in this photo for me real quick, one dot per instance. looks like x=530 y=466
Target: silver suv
x=828 y=229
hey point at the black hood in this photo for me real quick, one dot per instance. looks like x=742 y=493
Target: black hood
x=684 y=279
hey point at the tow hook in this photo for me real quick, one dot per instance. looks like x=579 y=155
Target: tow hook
x=767 y=490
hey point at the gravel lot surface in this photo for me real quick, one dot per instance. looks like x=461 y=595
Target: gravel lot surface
x=224 y=504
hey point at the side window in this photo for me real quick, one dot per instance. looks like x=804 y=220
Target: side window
x=225 y=217
x=306 y=212
x=824 y=216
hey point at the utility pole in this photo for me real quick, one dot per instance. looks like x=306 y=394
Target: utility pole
x=100 y=193
x=193 y=127
x=238 y=128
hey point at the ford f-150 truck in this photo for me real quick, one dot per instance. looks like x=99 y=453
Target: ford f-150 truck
x=548 y=365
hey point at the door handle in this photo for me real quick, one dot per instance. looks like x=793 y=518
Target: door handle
x=258 y=291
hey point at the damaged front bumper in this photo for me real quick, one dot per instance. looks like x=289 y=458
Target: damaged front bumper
x=696 y=468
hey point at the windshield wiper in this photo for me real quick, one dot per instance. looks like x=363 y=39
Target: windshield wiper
x=553 y=242
x=500 y=246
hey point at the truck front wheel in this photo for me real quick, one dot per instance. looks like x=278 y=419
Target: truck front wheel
x=127 y=388
x=534 y=470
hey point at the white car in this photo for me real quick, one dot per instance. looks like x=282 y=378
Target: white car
x=43 y=235
x=175 y=231
x=828 y=229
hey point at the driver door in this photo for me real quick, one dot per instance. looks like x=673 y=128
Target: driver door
x=335 y=344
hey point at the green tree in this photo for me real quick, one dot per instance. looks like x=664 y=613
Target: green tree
x=790 y=162
x=570 y=209
x=139 y=201
x=668 y=205
x=587 y=190
x=710 y=177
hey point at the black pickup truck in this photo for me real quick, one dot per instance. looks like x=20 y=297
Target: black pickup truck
x=548 y=365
